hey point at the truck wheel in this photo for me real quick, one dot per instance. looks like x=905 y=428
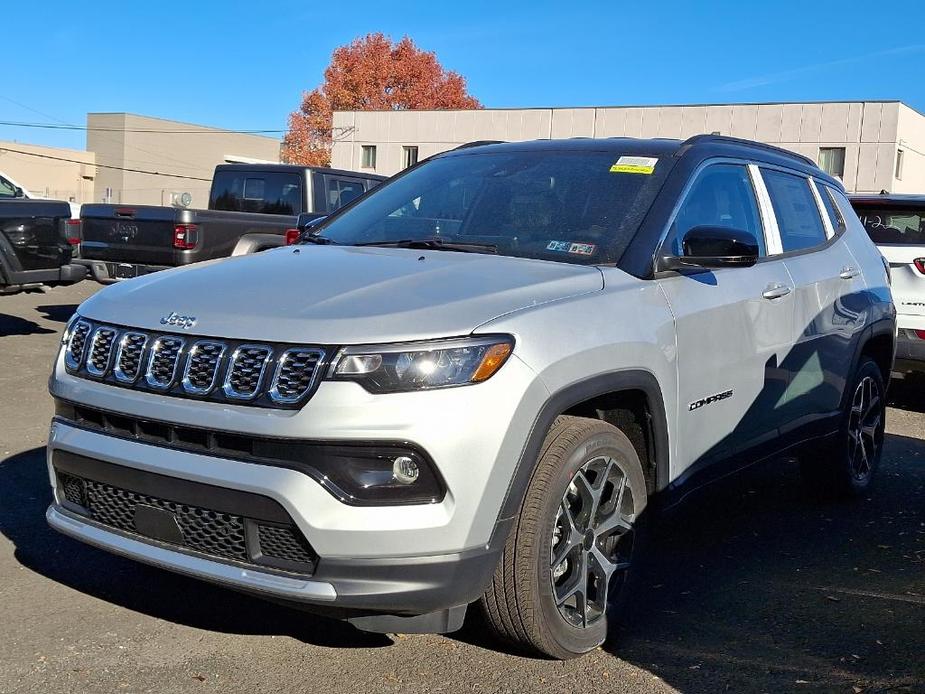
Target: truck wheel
x=848 y=467
x=569 y=553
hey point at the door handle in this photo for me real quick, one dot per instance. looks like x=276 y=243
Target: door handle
x=849 y=273
x=775 y=291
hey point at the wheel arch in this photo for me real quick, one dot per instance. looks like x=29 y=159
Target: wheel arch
x=627 y=398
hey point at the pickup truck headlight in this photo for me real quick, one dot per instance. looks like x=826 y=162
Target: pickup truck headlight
x=423 y=365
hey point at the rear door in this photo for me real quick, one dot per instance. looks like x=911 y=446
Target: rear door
x=733 y=327
x=899 y=232
x=830 y=302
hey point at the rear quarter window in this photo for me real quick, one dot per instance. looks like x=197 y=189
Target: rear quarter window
x=256 y=191
x=893 y=226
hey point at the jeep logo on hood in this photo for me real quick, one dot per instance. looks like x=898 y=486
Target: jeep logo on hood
x=174 y=318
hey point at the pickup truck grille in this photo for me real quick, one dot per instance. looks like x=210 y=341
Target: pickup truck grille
x=263 y=375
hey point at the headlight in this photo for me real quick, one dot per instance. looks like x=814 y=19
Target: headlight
x=423 y=365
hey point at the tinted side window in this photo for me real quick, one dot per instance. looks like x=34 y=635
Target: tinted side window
x=246 y=191
x=796 y=210
x=722 y=196
x=6 y=188
x=342 y=191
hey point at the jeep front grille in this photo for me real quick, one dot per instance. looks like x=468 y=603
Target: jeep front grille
x=264 y=375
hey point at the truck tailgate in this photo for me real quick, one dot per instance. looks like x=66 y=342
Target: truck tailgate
x=128 y=233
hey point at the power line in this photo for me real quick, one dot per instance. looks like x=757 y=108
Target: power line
x=86 y=128
x=103 y=166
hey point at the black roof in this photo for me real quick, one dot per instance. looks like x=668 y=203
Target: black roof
x=295 y=168
x=888 y=199
x=699 y=145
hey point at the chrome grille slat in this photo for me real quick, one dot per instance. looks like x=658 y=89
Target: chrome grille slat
x=202 y=366
x=74 y=354
x=99 y=355
x=129 y=356
x=245 y=371
x=295 y=374
x=163 y=361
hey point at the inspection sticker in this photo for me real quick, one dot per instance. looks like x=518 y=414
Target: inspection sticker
x=561 y=246
x=582 y=248
x=635 y=165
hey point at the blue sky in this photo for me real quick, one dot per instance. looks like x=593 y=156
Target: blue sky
x=243 y=65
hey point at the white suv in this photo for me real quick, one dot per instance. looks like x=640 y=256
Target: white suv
x=472 y=384
x=896 y=223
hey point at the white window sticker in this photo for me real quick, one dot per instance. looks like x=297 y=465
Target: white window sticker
x=635 y=165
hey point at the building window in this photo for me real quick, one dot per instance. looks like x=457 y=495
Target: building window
x=899 y=165
x=369 y=156
x=832 y=160
x=409 y=156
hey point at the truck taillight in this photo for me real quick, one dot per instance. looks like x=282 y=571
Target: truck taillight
x=920 y=265
x=292 y=236
x=72 y=231
x=185 y=236
x=919 y=334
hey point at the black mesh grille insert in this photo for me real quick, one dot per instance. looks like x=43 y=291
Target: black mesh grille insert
x=100 y=351
x=129 y=355
x=162 y=364
x=246 y=371
x=283 y=543
x=215 y=533
x=295 y=374
x=202 y=367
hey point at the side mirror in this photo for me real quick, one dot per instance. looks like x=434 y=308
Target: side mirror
x=18 y=192
x=309 y=220
x=716 y=247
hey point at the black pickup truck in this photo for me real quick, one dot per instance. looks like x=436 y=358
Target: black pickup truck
x=251 y=207
x=34 y=245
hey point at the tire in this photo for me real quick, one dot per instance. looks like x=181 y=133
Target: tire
x=847 y=468
x=581 y=460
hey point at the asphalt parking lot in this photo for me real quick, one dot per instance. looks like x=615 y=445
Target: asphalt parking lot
x=751 y=587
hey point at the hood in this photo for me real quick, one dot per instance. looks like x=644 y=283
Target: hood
x=340 y=295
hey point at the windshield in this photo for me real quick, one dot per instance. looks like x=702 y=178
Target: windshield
x=894 y=226
x=566 y=206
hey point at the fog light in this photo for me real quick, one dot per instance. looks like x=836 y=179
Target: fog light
x=405 y=470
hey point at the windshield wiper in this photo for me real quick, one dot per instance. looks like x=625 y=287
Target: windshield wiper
x=435 y=245
x=320 y=240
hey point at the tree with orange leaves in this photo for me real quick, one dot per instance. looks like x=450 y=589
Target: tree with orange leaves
x=370 y=73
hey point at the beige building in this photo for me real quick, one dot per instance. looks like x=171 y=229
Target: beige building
x=50 y=172
x=870 y=145
x=182 y=154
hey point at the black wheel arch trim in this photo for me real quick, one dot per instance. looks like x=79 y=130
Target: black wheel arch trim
x=561 y=401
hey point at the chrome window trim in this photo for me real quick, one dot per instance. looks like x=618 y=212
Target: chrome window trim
x=153 y=352
x=188 y=386
x=88 y=364
x=69 y=362
x=117 y=371
x=824 y=213
x=773 y=244
x=228 y=389
x=274 y=393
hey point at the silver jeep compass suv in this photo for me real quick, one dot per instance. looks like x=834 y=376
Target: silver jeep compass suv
x=469 y=385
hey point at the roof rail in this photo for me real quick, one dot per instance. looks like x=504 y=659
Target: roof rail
x=740 y=141
x=479 y=143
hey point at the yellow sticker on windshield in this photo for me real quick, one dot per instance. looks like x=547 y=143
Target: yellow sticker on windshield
x=635 y=165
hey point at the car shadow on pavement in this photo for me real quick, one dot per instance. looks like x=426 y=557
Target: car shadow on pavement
x=60 y=313
x=754 y=586
x=24 y=497
x=14 y=325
